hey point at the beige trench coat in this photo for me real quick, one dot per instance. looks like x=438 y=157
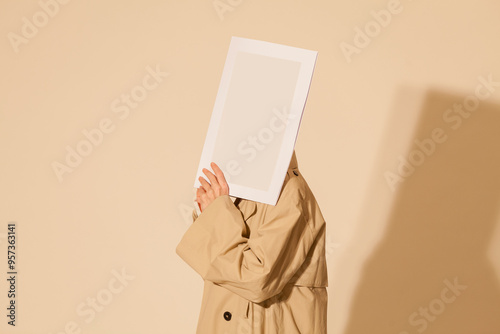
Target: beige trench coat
x=263 y=266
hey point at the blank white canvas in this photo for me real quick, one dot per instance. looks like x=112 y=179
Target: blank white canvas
x=256 y=117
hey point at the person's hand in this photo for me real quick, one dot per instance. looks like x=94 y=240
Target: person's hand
x=208 y=192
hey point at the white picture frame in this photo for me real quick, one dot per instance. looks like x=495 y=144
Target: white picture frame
x=256 y=116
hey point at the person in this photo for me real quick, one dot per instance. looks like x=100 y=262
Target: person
x=264 y=266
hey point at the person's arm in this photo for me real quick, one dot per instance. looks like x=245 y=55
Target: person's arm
x=256 y=268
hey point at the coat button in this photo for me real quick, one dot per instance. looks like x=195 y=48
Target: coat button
x=296 y=173
x=227 y=316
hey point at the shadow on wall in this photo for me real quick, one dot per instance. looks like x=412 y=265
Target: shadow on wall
x=430 y=273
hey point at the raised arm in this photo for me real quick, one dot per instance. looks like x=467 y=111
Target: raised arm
x=218 y=246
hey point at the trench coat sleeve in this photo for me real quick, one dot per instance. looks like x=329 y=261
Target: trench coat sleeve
x=256 y=267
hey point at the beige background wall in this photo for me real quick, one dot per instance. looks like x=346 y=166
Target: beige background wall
x=120 y=212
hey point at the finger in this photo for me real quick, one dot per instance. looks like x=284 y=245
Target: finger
x=201 y=195
x=219 y=173
x=204 y=183
x=211 y=177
